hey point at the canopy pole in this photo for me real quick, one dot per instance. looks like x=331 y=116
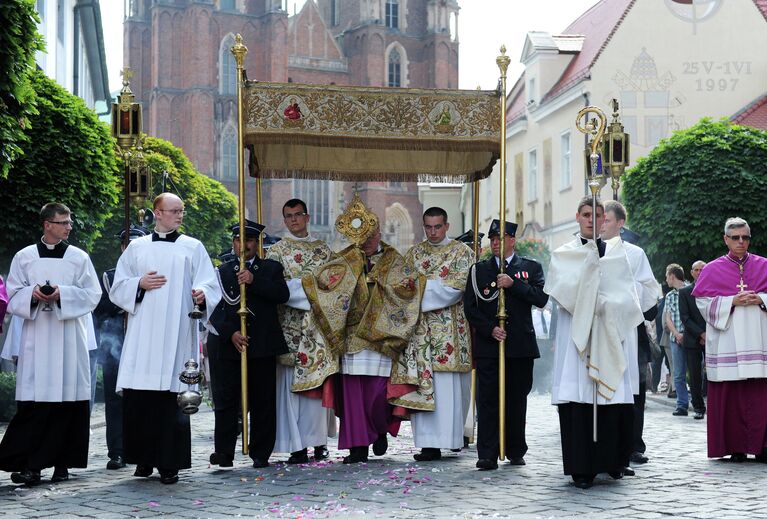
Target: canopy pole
x=240 y=50
x=503 y=64
x=476 y=248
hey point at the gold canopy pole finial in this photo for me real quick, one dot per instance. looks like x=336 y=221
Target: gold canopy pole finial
x=503 y=64
x=240 y=50
x=596 y=128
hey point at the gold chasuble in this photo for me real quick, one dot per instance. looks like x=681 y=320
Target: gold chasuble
x=441 y=339
x=310 y=355
x=355 y=310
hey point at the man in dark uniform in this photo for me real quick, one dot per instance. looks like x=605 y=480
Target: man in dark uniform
x=265 y=289
x=109 y=322
x=522 y=281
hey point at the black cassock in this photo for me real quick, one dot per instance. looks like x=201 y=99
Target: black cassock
x=481 y=306
x=266 y=342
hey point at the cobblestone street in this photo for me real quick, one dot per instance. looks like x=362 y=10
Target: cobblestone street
x=679 y=481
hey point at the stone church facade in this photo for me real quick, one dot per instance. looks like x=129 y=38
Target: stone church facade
x=184 y=75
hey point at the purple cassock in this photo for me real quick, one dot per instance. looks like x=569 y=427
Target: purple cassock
x=366 y=414
x=737 y=409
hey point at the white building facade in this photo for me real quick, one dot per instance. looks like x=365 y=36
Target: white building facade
x=669 y=63
x=75 y=56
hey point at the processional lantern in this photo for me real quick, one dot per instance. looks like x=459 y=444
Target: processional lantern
x=126 y=129
x=616 y=149
x=126 y=115
x=607 y=153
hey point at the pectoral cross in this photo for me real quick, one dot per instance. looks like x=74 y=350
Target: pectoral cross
x=742 y=285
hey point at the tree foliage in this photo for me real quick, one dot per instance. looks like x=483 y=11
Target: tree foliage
x=679 y=196
x=68 y=157
x=211 y=209
x=19 y=40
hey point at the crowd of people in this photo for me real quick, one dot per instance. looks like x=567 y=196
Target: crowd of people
x=353 y=342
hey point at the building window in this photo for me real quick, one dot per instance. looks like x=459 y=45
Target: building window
x=227 y=68
x=566 y=172
x=227 y=5
x=532 y=175
x=334 y=14
x=531 y=91
x=229 y=154
x=316 y=194
x=392 y=14
x=395 y=68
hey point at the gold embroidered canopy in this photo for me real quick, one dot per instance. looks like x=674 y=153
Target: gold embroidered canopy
x=370 y=133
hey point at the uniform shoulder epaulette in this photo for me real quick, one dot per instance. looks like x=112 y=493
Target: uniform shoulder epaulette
x=529 y=259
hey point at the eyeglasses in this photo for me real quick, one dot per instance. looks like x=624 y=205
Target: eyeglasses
x=740 y=237
x=65 y=223
x=176 y=212
x=294 y=216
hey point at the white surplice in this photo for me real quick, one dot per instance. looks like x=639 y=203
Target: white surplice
x=599 y=312
x=159 y=338
x=736 y=339
x=53 y=364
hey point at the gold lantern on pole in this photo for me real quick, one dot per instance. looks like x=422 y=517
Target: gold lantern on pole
x=126 y=129
x=615 y=150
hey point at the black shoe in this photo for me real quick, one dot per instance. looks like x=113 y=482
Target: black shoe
x=143 y=471
x=321 y=452
x=628 y=471
x=116 y=463
x=616 y=474
x=738 y=457
x=28 y=477
x=487 y=464
x=680 y=412
x=381 y=445
x=168 y=477
x=583 y=482
x=357 y=455
x=222 y=460
x=517 y=461
x=258 y=463
x=428 y=454
x=298 y=457
x=699 y=415
x=671 y=394
x=59 y=474
x=638 y=458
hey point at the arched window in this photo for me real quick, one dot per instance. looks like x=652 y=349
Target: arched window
x=392 y=13
x=227 y=68
x=334 y=13
x=228 y=167
x=395 y=69
x=317 y=195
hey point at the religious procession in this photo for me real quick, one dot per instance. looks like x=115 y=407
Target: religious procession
x=292 y=343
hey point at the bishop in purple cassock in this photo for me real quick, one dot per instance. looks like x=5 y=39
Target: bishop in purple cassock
x=731 y=294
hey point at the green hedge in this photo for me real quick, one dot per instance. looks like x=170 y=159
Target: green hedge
x=19 y=40
x=679 y=196
x=7 y=395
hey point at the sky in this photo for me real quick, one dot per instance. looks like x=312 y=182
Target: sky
x=483 y=26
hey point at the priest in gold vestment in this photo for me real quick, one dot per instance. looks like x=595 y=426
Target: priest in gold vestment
x=432 y=377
